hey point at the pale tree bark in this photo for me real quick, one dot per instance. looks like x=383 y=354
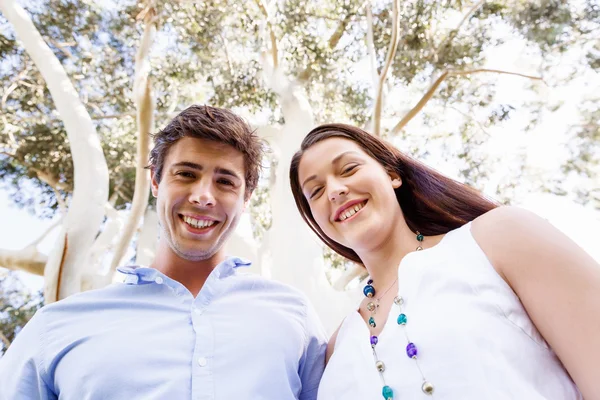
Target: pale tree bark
x=271 y=32
x=28 y=259
x=147 y=239
x=294 y=255
x=63 y=271
x=5 y=341
x=391 y=53
x=145 y=107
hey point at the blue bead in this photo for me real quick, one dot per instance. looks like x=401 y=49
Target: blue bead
x=388 y=393
x=402 y=319
x=372 y=322
x=369 y=291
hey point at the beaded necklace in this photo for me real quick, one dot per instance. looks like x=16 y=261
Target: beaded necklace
x=411 y=348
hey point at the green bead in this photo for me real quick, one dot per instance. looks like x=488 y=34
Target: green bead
x=388 y=393
x=420 y=237
x=372 y=322
x=402 y=319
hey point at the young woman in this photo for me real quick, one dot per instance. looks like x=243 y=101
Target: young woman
x=464 y=300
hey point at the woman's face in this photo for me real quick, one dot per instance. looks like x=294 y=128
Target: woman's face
x=350 y=194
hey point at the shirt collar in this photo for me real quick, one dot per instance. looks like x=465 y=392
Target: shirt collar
x=140 y=275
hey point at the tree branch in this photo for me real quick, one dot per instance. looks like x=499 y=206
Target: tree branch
x=470 y=117
x=452 y=34
x=383 y=76
x=114 y=116
x=429 y=94
x=226 y=49
x=61 y=46
x=274 y=50
x=145 y=108
x=334 y=39
x=371 y=47
x=5 y=341
x=28 y=259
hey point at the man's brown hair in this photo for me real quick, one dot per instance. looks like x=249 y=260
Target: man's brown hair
x=216 y=124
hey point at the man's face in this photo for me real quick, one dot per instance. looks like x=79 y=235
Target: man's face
x=200 y=197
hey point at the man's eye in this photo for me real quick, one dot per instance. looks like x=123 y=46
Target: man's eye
x=225 y=182
x=185 y=174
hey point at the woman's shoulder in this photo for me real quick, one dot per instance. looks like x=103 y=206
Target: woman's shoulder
x=499 y=230
x=504 y=215
x=502 y=222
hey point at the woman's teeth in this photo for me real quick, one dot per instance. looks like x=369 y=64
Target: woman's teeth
x=198 y=223
x=351 y=211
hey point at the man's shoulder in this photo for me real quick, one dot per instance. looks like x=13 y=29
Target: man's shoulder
x=92 y=297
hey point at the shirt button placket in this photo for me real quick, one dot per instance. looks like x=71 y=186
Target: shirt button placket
x=202 y=371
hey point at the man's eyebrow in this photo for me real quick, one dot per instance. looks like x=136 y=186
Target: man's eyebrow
x=335 y=160
x=188 y=164
x=228 y=172
x=198 y=167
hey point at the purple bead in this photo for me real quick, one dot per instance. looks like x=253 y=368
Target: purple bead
x=374 y=340
x=411 y=350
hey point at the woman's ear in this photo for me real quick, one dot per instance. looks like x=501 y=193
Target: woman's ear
x=395 y=179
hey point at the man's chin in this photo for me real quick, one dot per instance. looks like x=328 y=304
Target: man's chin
x=195 y=254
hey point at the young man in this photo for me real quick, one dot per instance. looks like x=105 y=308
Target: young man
x=193 y=325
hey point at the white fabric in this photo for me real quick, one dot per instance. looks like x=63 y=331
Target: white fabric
x=475 y=339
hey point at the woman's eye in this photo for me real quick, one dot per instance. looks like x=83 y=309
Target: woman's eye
x=315 y=192
x=350 y=168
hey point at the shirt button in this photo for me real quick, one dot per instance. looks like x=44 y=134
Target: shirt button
x=202 y=362
x=159 y=280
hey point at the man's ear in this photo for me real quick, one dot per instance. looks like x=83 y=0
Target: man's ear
x=153 y=183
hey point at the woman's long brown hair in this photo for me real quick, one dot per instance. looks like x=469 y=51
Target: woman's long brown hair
x=431 y=203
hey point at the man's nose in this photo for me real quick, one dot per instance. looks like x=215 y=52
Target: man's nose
x=202 y=194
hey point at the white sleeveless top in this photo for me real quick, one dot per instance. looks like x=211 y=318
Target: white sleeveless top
x=474 y=338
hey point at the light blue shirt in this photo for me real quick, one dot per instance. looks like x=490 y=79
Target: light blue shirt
x=242 y=337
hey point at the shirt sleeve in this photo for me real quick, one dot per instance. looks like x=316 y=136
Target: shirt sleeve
x=313 y=362
x=21 y=371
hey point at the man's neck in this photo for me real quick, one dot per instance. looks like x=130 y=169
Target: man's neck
x=191 y=274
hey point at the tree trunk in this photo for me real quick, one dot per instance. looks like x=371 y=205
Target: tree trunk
x=147 y=239
x=294 y=254
x=142 y=93
x=84 y=217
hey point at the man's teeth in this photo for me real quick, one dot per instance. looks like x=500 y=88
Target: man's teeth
x=198 y=223
x=351 y=211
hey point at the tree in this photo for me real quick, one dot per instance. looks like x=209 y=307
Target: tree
x=415 y=72
x=17 y=306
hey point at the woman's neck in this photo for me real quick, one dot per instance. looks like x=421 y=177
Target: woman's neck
x=382 y=262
